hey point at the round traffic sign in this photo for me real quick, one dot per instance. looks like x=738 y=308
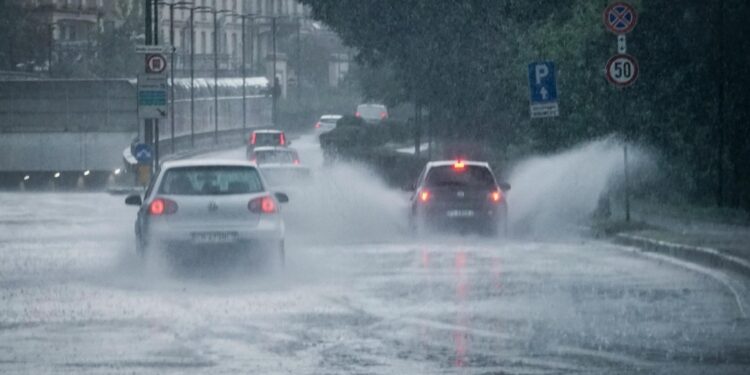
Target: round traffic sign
x=620 y=18
x=622 y=70
x=155 y=63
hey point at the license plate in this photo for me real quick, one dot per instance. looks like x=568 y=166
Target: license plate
x=460 y=213
x=214 y=237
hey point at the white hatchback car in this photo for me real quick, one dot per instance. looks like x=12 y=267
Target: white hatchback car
x=210 y=204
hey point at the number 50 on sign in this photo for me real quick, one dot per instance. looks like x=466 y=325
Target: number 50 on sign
x=622 y=70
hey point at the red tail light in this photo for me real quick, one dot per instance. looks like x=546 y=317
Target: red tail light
x=262 y=205
x=459 y=165
x=496 y=196
x=296 y=161
x=357 y=114
x=383 y=115
x=252 y=139
x=282 y=139
x=161 y=206
x=424 y=196
x=317 y=125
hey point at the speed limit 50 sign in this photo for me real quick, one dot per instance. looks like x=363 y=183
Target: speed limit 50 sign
x=622 y=70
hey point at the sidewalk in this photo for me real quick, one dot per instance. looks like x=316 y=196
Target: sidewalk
x=709 y=240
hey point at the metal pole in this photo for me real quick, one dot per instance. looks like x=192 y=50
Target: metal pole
x=244 y=93
x=274 y=95
x=192 y=78
x=149 y=22
x=49 y=49
x=216 y=80
x=627 y=183
x=171 y=76
x=156 y=23
x=299 y=61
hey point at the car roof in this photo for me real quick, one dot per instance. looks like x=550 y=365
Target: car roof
x=331 y=117
x=371 y=105
x=274 y=148
x=207 y=163
x=268 y=131
x=444 y=163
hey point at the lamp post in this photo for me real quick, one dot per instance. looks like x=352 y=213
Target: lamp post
x=244 y=17
x=171 y=65
x=192 y=70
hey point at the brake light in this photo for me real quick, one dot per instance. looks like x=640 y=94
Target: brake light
x=252 y=139
x=383 y=115
x=282 y=139
x=161 y=206
x=296 y=161
x=317 y=125
x=262 y=205
x=424 y=196
x=459 y=165
x=357 y=114
x=496 y=196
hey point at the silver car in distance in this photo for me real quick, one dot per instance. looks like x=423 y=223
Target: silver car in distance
x=210 y=204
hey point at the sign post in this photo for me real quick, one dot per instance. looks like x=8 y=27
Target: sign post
x=543 y=90
x=152 y=94
x=622 y=69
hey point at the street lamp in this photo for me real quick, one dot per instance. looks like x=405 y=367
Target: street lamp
x=244 y=73
x=216 y=69
x=192 y=69
x=171 y=64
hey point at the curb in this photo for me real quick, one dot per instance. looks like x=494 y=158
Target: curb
x=697 y=254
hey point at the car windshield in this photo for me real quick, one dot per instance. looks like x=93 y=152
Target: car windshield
x=270 y=139
x=468 y=176
x=274 y=157
x=210 y=180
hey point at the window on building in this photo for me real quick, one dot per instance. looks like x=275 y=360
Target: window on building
x=224 y=4
x=259 y=7
x=203 y=42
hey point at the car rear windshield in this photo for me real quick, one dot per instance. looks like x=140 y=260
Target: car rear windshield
x=211 y=180
x=274 y=157
x=468 y=176
x=270 y=139
x=371 y=111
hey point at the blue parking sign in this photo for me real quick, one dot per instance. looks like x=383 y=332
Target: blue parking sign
x=542 y=82
x=543 y=89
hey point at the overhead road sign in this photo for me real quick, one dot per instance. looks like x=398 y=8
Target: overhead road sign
x=155 y=63
x=543 y=90
x=620 y=18
x=150 y=49
x=622 y=70
x=152 y=96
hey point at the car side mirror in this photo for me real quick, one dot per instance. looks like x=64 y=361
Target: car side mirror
x=133 y=200
x=504 y=186
x=281 y=197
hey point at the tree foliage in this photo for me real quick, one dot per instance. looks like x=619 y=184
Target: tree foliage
x=466 y=62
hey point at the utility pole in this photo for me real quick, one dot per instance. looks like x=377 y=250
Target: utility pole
x=274 y=93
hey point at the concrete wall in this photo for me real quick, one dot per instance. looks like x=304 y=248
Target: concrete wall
x=33 y=152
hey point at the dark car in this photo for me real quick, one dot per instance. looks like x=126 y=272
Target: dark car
x=461 y=195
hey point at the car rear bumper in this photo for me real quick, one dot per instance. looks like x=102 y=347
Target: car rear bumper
x=265 y=234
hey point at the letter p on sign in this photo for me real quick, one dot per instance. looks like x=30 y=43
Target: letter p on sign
x=541 y=71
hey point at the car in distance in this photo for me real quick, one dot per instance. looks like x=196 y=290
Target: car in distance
x=280 y=166
x=458 y=194
x=326 y=123
x=266 y=137
x=372 y=113
x=210 y=204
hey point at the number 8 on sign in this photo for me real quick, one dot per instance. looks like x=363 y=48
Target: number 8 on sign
x=622 y=70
